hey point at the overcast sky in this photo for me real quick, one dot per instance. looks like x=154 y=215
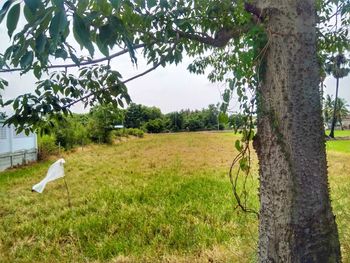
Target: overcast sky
x=171 y=88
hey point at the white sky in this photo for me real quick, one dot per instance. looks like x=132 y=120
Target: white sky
x=171 y=88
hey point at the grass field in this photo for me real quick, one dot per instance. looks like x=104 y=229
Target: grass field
x=339 y=146
x=340 y=133
x=163 y=198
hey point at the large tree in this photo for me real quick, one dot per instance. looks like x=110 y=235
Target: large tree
x=265 y=47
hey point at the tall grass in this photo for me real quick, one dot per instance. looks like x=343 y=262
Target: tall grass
x=161 y=198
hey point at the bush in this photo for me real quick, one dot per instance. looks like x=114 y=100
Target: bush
x=126 y=132
x=109 y=138
x=47 y=146
x=119 y=133
x=155 y=126
x=69 y=131
x=135 y=132
x=194 y=124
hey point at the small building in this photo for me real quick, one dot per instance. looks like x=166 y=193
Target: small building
x=16 y=149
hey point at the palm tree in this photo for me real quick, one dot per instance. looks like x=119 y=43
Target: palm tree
x=334 y=67
x=328 y=109
x=342 y=111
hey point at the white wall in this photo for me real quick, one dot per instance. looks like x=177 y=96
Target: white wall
x=11 y=142
x=5 y=145
x=16 y=149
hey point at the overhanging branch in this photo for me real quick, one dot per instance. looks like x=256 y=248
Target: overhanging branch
x=223 y=36
x=90 y=62
x=123 y=82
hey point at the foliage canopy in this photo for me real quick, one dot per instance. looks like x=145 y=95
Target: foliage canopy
x=224 y=36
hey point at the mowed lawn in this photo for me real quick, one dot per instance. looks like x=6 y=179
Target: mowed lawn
x=340 y=133
x=162 y=198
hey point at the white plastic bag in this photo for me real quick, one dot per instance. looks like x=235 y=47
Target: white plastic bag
x=55 y=171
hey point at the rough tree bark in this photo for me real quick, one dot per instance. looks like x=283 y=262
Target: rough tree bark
x=296 y=219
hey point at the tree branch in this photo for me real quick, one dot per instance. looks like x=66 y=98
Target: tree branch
x=94 y=61
x=123 y=82
x=223 y=36
x=257 y=12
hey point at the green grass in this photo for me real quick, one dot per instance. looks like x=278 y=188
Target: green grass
x=340 y=133
x=162 y=198
x=339 y=146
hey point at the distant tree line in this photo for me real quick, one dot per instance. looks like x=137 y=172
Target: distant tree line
x=152 y=120
x=102 y=124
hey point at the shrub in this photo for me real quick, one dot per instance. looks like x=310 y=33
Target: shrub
x=155 y=126
x=194 y=123
x=135 y=132
x=47 y=146
x=126 y=132
x=119 y=133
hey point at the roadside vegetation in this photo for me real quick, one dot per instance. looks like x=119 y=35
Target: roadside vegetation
x=161 y=198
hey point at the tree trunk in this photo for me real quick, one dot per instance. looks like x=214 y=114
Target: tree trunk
x=334 y=120
x=296 y=219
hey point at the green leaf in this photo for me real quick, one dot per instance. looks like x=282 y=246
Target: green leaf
x=243 y=163
x=61 y=53
x=104 y=7
x=27 y=59
x=40 y=43
x=141 y=3
x=33 y=4
x=58 y=3
x=102 y=45
x=107 y=35
x=120 y=27
x=116 y=4
x=164 y=4
x=151 y=3
x=121 y=103
x=15 y=104
x=238 y=145
x=82 y=33
x=28 y=14
x=12 y=19
x=82 y=5
x=4 y=9
x=37 y=72
x=223 y=118
x=58 y=25
x=8 y=102
x=4 y=82
x=74 y=58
